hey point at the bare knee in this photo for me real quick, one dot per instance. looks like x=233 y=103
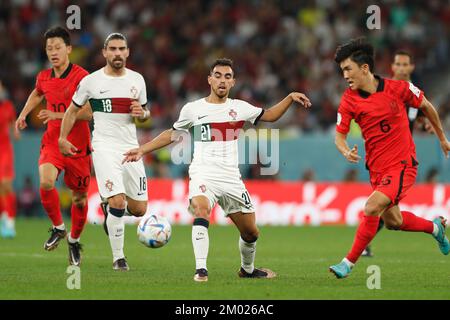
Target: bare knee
x=79 y=200
x=373 y=209
x=117 y=202
x=47 y=184
x=250 y=235
x=201 y=209
x=6 y=187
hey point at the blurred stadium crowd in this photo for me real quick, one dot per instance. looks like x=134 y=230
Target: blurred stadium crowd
x=277 y=46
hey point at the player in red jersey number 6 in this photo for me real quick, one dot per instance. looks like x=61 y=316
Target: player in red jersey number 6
x=379 y=107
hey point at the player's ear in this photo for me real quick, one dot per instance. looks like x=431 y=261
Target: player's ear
x=365 y=68
x=209 y=79
x=104 y=52
x=69 y=49
x=233 y=82
x=128 y=53
x=412 y=66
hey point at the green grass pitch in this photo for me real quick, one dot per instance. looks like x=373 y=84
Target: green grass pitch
x=411 y=266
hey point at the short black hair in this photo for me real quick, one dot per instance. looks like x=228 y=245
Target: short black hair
x=402 y=52
x=114 y=36
x=358 y=50
x=57 y=32
x=222 y=62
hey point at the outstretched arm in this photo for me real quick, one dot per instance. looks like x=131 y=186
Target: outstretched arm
x=33 y=101
x=274 y=113
x=341 y=144
x=164 y=139
x=430 y=112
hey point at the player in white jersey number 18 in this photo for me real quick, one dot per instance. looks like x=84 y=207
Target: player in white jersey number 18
x=117 y=96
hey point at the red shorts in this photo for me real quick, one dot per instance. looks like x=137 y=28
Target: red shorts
x=7 y=163
x=77 y=171
x=394 y=182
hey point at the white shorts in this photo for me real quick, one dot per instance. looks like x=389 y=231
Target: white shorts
x=231 y=194
x=114 y=178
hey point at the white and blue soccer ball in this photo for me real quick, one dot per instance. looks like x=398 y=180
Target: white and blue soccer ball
x=154 y=231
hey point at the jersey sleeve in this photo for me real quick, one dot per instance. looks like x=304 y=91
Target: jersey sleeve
x=143 y=93
x=344 y=116
x=81 y=95
x=410 y=94
x=10 y=111
x=252 y=113
x=38 y=85
x=185 y=120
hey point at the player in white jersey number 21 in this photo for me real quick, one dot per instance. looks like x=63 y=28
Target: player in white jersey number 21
x=117 y=95
x=214 y=122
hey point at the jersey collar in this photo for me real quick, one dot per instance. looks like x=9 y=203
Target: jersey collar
x=380 y=88
x=65 y=73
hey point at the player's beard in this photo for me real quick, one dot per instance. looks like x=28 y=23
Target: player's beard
x=115 y=63
x=221 y=94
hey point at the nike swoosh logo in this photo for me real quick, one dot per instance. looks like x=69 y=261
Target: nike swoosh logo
x=140 y=193
x=201 y=117
x=101 y=92
x=199 y=238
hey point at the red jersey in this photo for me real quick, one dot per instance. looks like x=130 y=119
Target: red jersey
x=383 y=121
x=58 y=92
x=7 y=116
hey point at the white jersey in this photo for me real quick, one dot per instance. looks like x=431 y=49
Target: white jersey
x=110 y=98
x=215 y=129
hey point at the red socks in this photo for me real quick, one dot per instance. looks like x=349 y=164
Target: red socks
x=368 y=229
x=50 y=202
x=2 y=204
x=79 y=216
x=10 y=205
x=365 y=233
x=413 y=223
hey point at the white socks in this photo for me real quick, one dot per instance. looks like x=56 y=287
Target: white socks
x=200 y=242
x=10 y=222
x=435 y=229
x=60 y=227
x=116 y=230
x=72 y=240
x=248 y=251
x=348 y=263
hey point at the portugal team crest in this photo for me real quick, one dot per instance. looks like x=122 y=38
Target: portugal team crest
x=133 y=91
x=233 y=114
x=109 y=185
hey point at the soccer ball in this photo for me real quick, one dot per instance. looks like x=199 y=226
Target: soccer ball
x=154 y=231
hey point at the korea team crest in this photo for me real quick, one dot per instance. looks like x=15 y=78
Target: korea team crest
x=394 y=107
